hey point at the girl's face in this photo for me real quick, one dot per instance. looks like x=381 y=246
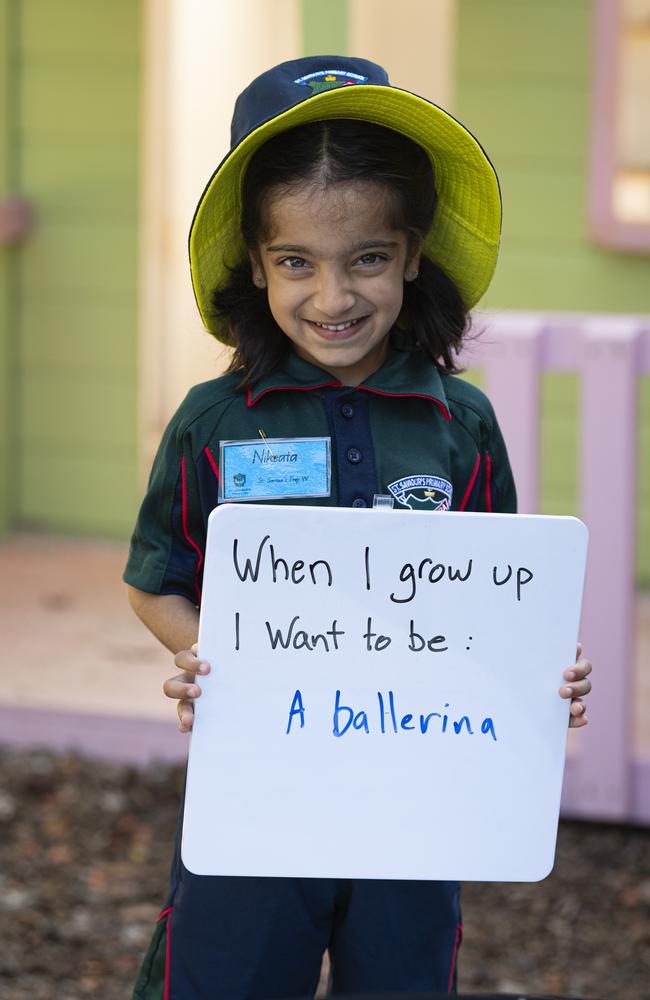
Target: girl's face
x=334 y=269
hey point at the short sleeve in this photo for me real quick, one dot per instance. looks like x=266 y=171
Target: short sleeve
x=497 y=491
x=168 y=542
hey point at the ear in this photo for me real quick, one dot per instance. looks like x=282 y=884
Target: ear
x=259 y=278
x=413 y=260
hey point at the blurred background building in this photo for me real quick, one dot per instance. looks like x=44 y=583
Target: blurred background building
x=115 y=114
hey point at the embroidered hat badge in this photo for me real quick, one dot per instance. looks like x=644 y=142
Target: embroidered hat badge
x=328 y=79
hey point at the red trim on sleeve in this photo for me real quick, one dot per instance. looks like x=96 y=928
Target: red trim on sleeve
x=213 y=464
x=199 y=554
x=488 y=477
x=164 y=914
x=168 y=956
x=457 y=943
x=409 y=395
x=296 y=388
x=470 y=485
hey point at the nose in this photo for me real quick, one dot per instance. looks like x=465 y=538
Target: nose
x=333 y=296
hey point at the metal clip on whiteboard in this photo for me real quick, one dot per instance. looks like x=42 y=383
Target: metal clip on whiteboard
x=382 y=501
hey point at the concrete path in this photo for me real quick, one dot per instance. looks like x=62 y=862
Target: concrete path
x=80 y=671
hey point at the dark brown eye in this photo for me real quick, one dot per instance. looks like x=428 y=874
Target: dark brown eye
x=372 y=258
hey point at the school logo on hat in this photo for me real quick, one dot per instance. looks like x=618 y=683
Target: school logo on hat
x=328 y=79
x=422 y=492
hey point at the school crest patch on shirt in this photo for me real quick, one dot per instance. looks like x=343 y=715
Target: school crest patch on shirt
x=328 y=79
x=422 y=492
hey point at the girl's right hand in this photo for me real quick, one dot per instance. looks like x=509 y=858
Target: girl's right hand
x=183 y=687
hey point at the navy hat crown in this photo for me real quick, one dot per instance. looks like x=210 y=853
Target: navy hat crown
x=295 y=81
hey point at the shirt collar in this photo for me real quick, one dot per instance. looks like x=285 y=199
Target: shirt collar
x=403 y=374
x=294 y=374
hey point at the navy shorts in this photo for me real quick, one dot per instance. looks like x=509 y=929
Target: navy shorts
x=225 y=938
x=243 y=938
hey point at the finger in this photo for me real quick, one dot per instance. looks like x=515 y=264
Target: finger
x=579 y=651
x=578 y=689
x=581 y=688
x=582 y=668
x=182 y=688
x=186 y=660
x=185 y=711
x=577 y=716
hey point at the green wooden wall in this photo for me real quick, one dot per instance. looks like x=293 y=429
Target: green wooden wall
x=76 y=98
x=324 y=27
x=523 y=82
x=523 y=85
x=6 y=267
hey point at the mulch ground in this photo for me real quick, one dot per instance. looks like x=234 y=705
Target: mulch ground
x=84 y=858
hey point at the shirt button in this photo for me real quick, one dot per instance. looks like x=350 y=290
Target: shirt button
x=359 y=502
x=354 y=456
x=347 y=410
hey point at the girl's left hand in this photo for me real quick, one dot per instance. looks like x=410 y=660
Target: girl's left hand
x=576 y=689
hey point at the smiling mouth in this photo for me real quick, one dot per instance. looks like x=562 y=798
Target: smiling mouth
x=350 y=324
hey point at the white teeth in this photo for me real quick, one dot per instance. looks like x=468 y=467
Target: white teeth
x=337 y=327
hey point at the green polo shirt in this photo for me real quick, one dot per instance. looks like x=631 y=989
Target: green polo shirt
x=428 y=440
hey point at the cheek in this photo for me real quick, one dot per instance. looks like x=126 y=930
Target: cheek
x=279 y=298
x=284 y=302
x=390 y=294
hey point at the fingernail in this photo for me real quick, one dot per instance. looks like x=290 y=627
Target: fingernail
x=569 y=690
x=571 y=675
x=581 y=707
x=204 y=668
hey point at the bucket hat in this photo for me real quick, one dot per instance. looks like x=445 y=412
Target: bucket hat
x=464 y=236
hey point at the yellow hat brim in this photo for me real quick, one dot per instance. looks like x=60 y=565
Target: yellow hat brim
x=463 y=239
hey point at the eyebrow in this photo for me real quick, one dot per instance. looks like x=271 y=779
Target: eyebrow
x=366 y=245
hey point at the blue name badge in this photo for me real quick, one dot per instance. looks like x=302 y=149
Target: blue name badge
x=275 y=468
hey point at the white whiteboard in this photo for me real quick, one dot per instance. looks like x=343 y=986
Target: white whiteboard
x=479 y=615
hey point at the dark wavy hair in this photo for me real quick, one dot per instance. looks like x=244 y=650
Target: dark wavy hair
x=434 y=317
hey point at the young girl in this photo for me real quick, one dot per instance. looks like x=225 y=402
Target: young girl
x=338 y=249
